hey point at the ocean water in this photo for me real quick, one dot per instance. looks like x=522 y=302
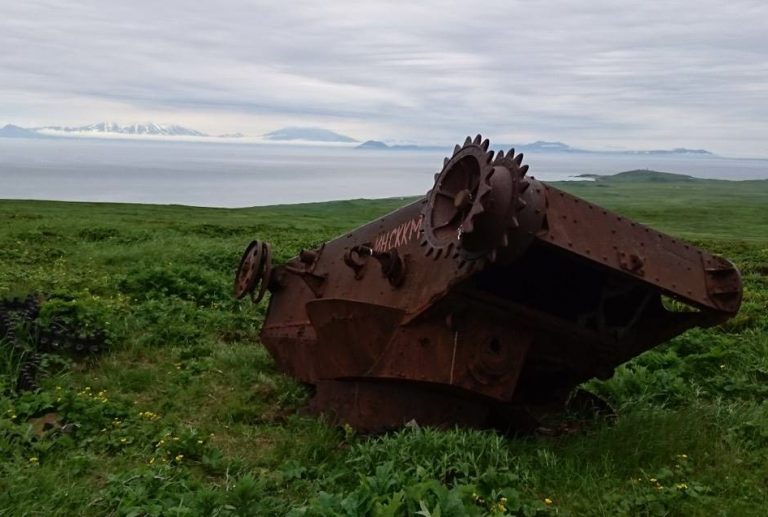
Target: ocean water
x=235 y=175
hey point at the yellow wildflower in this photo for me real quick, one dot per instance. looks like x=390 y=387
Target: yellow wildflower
x=33 y=459
x=547 y=500
x=179 y=457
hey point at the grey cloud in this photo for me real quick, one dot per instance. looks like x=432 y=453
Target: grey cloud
x=692 y=73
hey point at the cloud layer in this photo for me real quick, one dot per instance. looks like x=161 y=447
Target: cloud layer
x=595 y=74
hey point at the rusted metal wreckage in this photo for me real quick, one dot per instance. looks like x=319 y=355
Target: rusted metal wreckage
x=483 y=304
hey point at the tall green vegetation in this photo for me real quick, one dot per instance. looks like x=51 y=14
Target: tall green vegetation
x=187 y=415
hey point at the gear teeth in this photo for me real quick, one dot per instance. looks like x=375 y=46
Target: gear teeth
x=437 y=175
x=524 y=186
x=423 y=243
x=468 y=141
x=438 y=253
x=486 y=143
x=514 y=223
x=519 y=159
x=477 y=140
x=456 y=149
x=462 y=263
x=489 y=156
x=429 y=251
x=449 y=249
x=445 y=161
x=492 y=256
x=504 y=240
x=511 y=152
x=499 y=157
x=520 y=204
x=523 y=170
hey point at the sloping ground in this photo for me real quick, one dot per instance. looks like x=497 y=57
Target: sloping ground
x=187 y=416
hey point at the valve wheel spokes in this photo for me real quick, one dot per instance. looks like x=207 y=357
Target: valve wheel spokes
x=254 y=271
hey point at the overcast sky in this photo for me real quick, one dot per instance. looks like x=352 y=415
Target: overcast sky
x=595 y=74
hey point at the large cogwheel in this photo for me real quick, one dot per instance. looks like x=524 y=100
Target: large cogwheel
x=479 y=207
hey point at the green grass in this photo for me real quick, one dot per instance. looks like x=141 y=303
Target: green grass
x=187 y=415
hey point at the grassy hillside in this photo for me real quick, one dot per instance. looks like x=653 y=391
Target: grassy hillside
x=186 y=414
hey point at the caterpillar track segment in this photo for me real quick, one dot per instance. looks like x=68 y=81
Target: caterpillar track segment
x=484 y=304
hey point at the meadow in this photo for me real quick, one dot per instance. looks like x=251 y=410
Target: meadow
x=185 y=413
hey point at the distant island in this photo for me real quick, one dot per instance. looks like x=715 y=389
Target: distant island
x=539 y=146
x=677 y=150
x=11 y=131
x=378 y=145
x=641 y=176
x=311 y=134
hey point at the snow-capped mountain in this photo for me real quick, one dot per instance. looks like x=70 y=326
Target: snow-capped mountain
x=150 y=128
x=11 y=131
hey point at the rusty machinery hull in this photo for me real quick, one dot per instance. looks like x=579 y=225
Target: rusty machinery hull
x=482 y=304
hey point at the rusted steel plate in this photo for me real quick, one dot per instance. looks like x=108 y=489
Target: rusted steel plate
x=650 y=256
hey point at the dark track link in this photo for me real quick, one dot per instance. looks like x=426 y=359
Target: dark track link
x=55 y=338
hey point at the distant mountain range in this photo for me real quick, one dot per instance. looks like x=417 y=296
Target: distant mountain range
x=286 y=134
x=291 y=134
x=148 y=128
x=312 y=134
